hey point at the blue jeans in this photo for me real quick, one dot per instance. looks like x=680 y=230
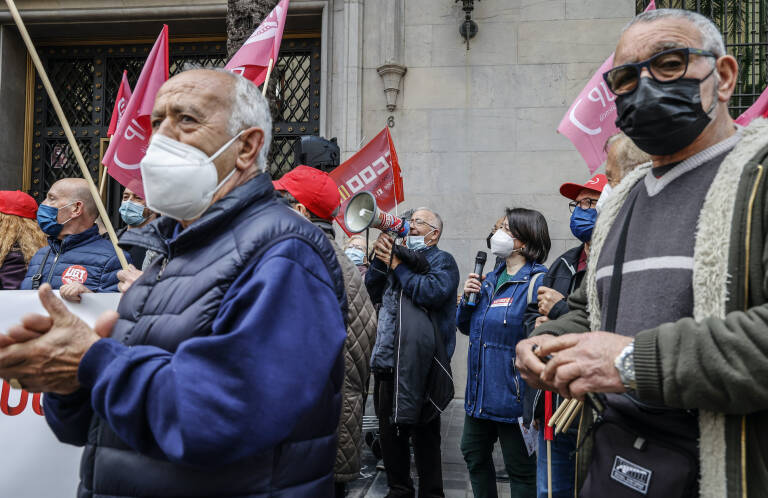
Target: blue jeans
x=563 y=465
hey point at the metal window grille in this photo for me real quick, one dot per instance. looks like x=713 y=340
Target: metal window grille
x=87 y=78
x=295 y=90
x=744 y=25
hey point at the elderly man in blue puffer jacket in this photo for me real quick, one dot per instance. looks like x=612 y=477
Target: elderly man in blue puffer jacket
x=77 y=259
x=221 y=373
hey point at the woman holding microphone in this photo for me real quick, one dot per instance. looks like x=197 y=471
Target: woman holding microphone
x=493 y=400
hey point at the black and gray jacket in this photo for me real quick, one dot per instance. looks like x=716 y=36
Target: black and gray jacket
x=564 y=277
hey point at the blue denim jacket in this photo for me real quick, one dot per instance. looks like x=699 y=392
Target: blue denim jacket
x=495 y=326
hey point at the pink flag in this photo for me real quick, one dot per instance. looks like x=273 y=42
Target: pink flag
x=252 y=60
x=121 y=102
x=591 y=119
x=128 y=146
x=756 y=110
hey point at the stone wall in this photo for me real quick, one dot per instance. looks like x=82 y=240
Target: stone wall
x=475 y=130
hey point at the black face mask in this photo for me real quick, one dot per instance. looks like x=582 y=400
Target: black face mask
x=663 y=118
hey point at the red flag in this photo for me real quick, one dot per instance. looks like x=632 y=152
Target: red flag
x=252 y=60
x=756 y=110
x=121 y=102
x=591 y=119
x=549 y=432
x=128 y=146
x=374 y=169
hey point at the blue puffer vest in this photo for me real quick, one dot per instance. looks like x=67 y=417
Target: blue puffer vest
x=178 y=298
x=86 y=249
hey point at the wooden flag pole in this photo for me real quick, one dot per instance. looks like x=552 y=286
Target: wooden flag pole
x=266 y=81
x=67 y=130
x=103 y=183
x=549 y=468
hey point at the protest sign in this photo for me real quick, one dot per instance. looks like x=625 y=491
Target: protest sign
x=33 y=462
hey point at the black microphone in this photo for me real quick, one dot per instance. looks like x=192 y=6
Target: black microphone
x=480 y=259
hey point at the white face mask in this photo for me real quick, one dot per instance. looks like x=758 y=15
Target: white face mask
x=502 y=244
x=179 y=179
x=604 y=196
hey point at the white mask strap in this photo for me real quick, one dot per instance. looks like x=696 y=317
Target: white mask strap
x=226 y=146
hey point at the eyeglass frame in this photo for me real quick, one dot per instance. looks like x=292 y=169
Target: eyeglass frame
x=418 y=222
x=638 y=66
x=572 y=205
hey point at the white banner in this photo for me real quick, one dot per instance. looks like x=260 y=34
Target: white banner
x=33 y=463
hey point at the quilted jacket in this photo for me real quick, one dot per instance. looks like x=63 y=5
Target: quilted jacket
x=361 y=334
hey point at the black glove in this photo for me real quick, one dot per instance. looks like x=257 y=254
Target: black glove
x=415 y=260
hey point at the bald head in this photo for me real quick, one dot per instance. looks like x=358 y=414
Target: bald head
x=76 y=209
x=76 y=189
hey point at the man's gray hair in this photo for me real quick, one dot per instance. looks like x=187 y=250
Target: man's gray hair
x=437 y=219
x=711 y=38
x=249 y=109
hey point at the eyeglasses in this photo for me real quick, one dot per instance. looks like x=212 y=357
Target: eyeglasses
x=420 y=223
x=585 y=203
x=665 y=67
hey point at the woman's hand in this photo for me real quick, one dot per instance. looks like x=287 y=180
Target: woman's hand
x=472 y=285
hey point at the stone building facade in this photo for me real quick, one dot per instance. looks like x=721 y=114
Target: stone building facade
x=474 y=129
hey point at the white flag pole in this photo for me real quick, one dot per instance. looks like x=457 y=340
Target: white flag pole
x=67 y=130
x=266 y=81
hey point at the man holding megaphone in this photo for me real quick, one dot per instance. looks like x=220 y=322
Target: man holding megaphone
x=416 y=286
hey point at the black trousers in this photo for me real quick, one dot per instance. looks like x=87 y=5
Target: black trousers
x=395 y=448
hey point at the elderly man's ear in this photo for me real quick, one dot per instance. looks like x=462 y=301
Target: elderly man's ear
x=252 y=140
x=728 y=72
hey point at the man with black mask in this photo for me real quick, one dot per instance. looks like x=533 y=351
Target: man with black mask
x=671 y=320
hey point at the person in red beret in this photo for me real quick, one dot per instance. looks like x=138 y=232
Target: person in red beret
x=315 y=195
x=20 y=237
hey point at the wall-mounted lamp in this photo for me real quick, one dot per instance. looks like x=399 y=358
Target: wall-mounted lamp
x=468 y=28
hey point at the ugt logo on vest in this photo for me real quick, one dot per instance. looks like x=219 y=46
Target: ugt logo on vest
x=74 y=274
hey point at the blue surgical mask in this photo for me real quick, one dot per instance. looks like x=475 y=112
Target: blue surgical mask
x=582 y=223
x=355 y=255
x=47 y=218
x=415 y=242
x=132 y=213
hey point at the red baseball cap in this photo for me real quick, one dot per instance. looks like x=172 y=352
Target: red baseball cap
x=572 y=190
x=313 y=188
x=18 y=203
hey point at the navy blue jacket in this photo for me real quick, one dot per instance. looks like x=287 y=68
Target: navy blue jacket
x=495 y=325
x=85 y=249
x=435 y=291
x=223 y=375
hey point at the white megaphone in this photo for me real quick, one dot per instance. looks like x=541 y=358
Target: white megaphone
x=362 y=212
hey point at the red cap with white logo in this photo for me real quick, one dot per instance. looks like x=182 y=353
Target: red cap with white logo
x=572 y=190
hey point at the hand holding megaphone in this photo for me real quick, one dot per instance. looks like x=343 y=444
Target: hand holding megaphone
x=362 y=212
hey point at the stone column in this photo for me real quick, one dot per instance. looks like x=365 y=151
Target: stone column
x=13 y=68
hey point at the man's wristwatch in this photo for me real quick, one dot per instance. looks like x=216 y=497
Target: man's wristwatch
x=625 y=364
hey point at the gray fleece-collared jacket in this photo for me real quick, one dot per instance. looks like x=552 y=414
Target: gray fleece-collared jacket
x=717 y=360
